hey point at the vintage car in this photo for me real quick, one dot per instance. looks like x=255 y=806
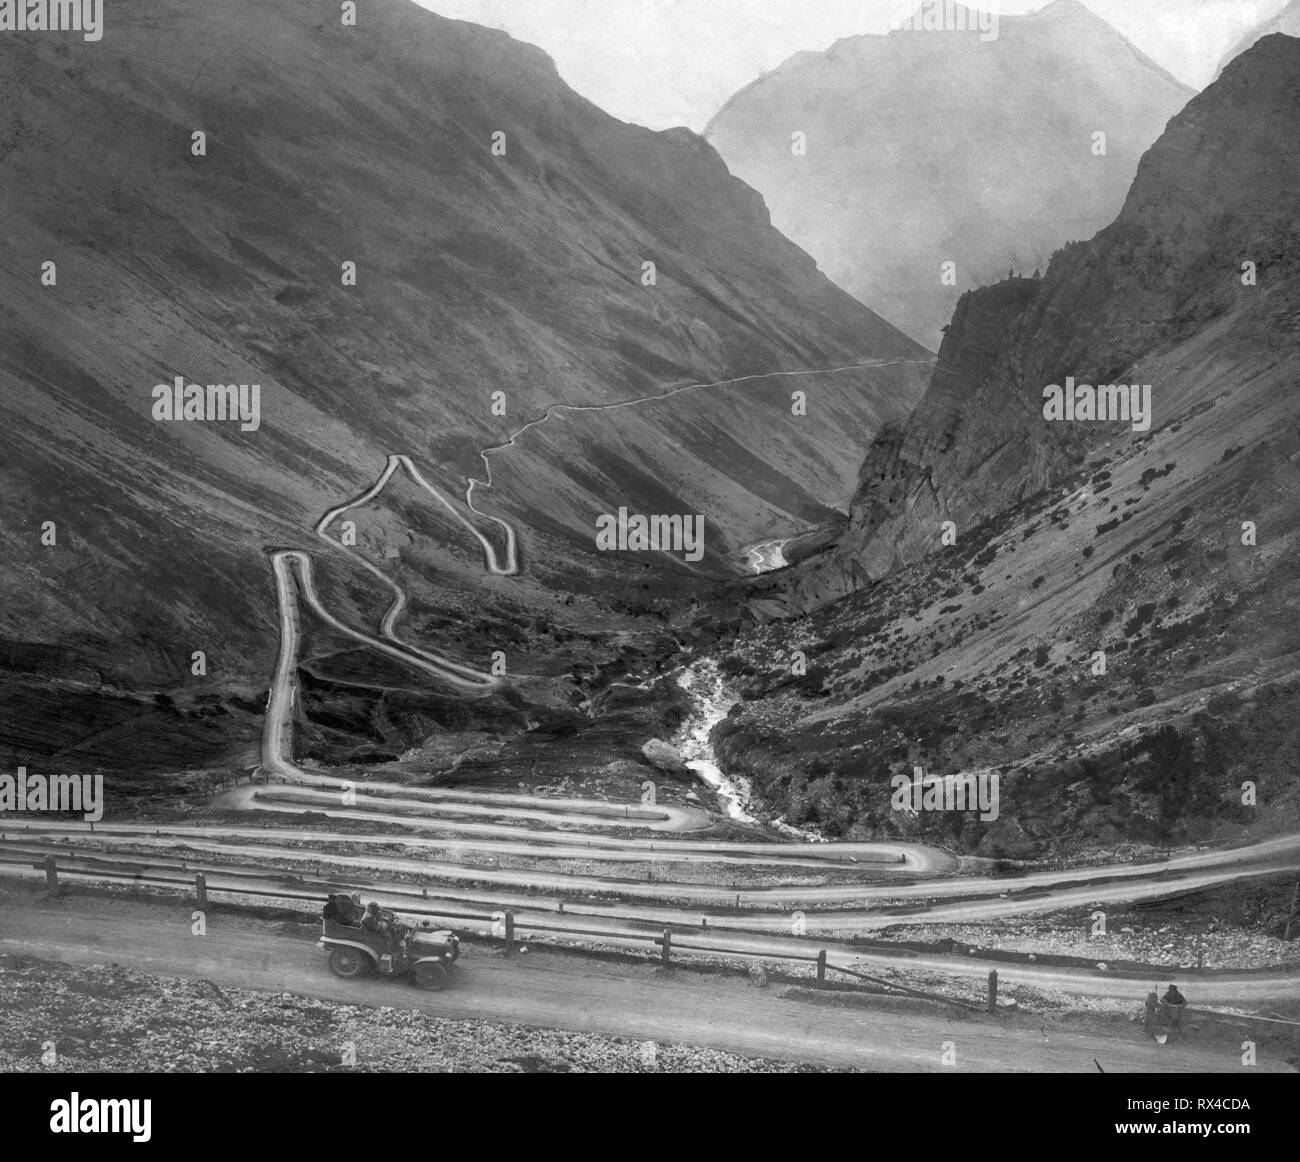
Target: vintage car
x=424 y=955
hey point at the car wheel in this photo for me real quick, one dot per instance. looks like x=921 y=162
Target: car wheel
x=348 y=962
x=431 y=975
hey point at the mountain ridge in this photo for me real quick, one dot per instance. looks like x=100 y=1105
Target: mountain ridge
x=474 y=274
x=883 y=202
x=1103 y=620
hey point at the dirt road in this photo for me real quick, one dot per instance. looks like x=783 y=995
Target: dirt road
x=560 y=991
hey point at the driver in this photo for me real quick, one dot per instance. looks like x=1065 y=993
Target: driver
x=379 y=922
x=374 y=923
x=397 y=930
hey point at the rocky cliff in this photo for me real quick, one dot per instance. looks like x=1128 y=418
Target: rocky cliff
x=1215 y=193
x=1104 y=623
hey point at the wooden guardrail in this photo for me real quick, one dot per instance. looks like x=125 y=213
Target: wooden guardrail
x=503 y=924
x=993 y=989
x=500 y=919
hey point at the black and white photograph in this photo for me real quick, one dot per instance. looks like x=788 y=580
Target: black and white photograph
x=649 y=537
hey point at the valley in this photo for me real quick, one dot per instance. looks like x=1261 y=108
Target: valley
x=746 y=895
x=566 y=559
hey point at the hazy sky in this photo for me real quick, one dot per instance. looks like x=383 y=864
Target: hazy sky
x=674 y=62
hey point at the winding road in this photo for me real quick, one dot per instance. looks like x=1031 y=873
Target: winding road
x=768 y=555
x=476 y=845
x=556 y=408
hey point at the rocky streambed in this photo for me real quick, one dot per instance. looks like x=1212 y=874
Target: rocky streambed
x=712 y=699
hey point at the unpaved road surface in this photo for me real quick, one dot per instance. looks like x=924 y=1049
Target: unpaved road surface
x=561 y=991
x=607 y=926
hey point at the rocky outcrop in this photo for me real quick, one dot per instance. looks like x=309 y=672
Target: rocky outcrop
x=1106 y=622
x=1218 y=189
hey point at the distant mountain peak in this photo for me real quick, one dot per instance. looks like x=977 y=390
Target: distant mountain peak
x=955 y=15
x=1067 y=8
x=1218 y=185
x=952 y=16
x=934 y=125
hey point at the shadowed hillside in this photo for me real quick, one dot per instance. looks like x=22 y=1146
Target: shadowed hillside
x=1107 y=618
x=474 y=274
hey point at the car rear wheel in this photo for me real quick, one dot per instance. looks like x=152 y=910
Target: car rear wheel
x=348 y=962
x=431 y=975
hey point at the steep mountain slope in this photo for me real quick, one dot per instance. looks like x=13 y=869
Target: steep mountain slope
x=1286 y=22
x=927 y=147
x=475 y=274
x=1113 y=630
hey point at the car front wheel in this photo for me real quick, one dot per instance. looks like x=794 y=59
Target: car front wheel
x=431 y=976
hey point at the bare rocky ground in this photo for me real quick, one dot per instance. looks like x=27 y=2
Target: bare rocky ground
x=1240 y=925
x=1167 y=945
x=113 y=1019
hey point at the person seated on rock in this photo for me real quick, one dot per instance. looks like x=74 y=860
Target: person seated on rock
x=1173 y=996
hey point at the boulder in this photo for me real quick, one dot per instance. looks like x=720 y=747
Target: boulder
x=659 y=754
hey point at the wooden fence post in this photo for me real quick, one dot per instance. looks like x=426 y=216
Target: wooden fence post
x=1149 y=1018
x=993 y=990
x=666 y=955
x=201 y=889
x=51 y=875
x=510 y=933
x=821 y=968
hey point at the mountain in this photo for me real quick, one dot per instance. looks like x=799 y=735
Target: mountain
x=1106 y=620
x=1286 y=22
x=222 y=261
x=925 y=148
